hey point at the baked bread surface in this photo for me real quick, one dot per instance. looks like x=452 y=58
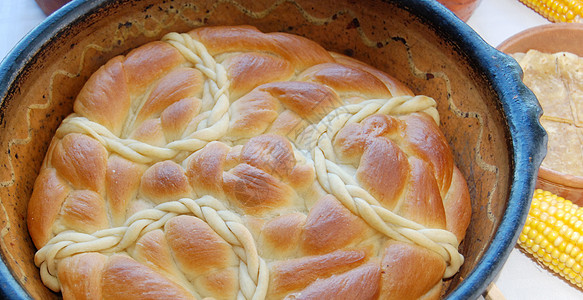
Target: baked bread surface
x=557 y=81
x=229 y=163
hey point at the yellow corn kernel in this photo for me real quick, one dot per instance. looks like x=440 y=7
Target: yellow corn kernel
x=562 y=247
x=565 y=231
x=553 y=234
x=558 y=241
x=557 y=10
x=570 y=263
x=568 y=248
x=548 y=248
x=575 y=235
x=545 y=244
x=532 y=233
x=536 y=248
x=563 y=257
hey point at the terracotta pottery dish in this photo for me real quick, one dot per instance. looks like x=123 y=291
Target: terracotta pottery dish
x=489 y=118
x=549 y=38
x=552 y=38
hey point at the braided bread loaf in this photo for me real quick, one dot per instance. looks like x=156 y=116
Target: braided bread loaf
x=229 y=163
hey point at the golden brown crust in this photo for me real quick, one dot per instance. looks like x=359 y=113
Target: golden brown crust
x=84 y=211
x=423 y=205
x=124 y=278
x=45 y=203
x=409 y=271
x=330 y=226
x=80 y=276
x=255 y=190
x=178 y=84
x=308 y=100
x=230 y=163
x=384 y=171
x=122 y=181
x=359 y=283
x=252 y=114
x=82 y=161
x=299 y=51
x=165 y=181
x=148 y=63
x=197 y=248
x=270 y=153
x=458 y=212
x=150 y=132
x=153 y=250
x=177 y=116
x=425 y=139
x=294 y=274
x=203 y=257
x=345 y=79
x=282 y=234
x=249 y=70
x=205 y=168
x=105 y=98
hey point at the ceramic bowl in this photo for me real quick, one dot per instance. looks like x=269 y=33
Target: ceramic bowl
x=549 y=38
x=489 y=117
x=552 y=38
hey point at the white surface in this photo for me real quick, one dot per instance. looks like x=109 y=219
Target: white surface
x=17 y=18
x=494 y=20
x=497 y=20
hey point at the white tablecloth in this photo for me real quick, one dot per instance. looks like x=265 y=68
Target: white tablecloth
x=494 y=20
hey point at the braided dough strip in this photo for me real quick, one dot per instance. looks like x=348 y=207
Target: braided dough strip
x=131 y=149
x=253 y=271
x=215 y=125
x=335 y=181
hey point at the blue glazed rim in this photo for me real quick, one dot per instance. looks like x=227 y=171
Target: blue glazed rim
x=519 y=104
x=528 y=138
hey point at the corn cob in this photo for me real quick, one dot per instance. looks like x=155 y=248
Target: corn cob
x=553 y=233
x=557 y=10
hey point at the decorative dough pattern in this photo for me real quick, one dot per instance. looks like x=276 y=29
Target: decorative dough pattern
x=314 y=146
